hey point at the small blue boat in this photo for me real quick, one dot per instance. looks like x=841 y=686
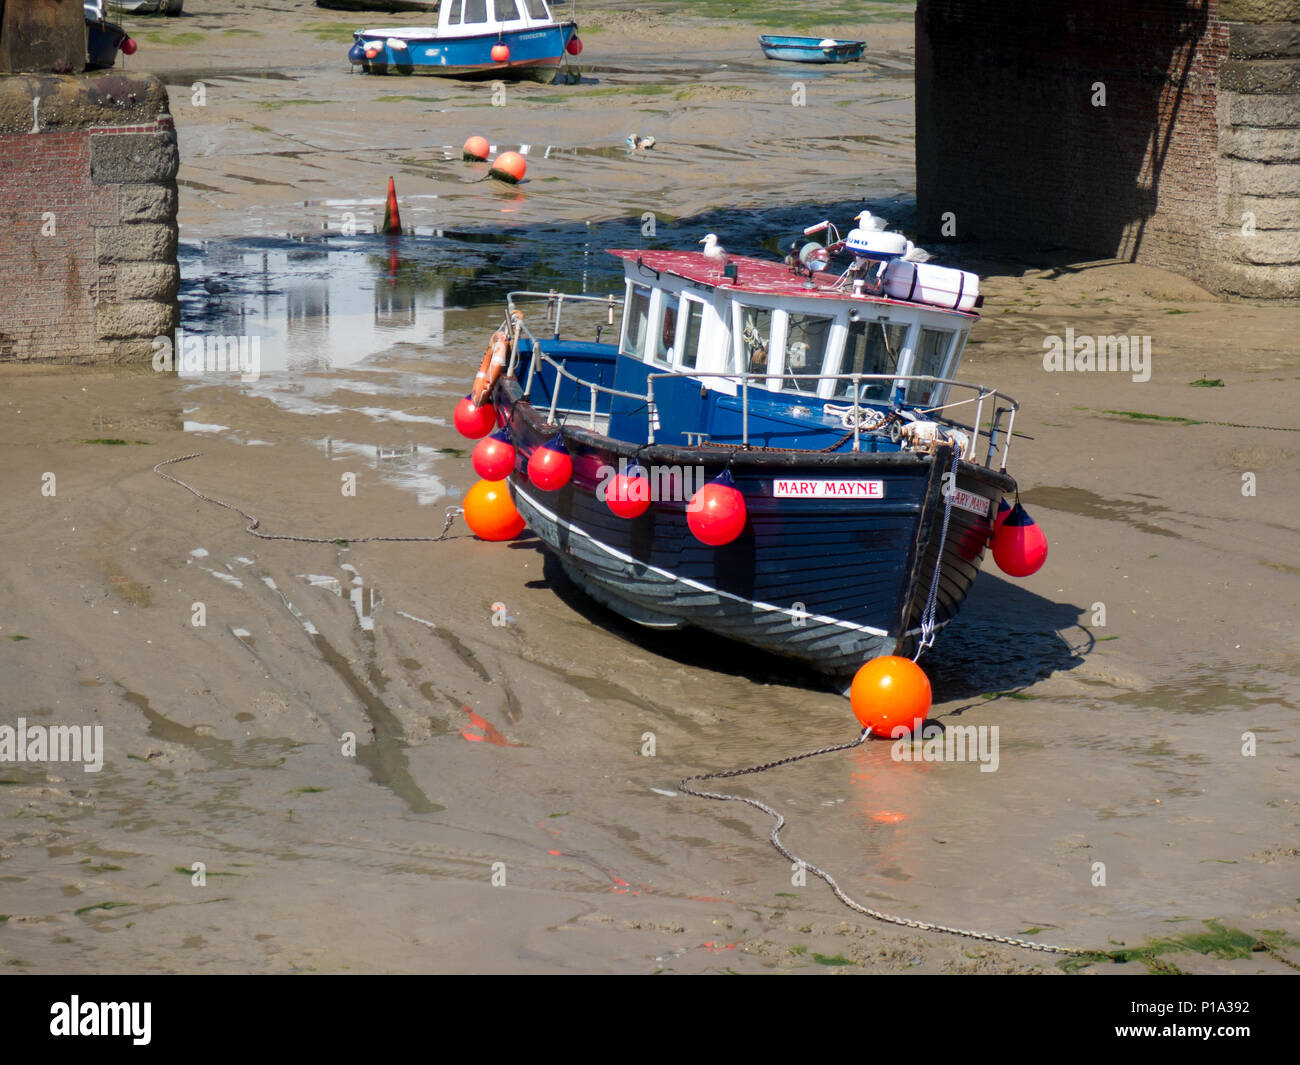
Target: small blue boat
x=818 y=408
x=474 y=38
x=812 y=49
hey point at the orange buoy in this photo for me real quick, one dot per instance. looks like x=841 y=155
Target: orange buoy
x=476 y=150
x=890 y=692
x=392 y=220
x=491 y=513
x=473 y=421
x=500 y=53
x=509 y=166
x=716 y=513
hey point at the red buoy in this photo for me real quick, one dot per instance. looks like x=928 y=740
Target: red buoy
x=628 y=494
x=500 y=53
x=716 y=513
x=474 y=422
x=510 y=167
x=491 y=513
x=890 y=692
x=1004 y=508
x=1019 y=545
x=128 y=46
x=494 y=456
x=574 y=47
x=549 y=466
x=476 y=150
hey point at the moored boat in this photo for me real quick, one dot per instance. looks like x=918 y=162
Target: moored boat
x=811 y=49
x=104 y=39
x=473 y=38
x=816 y=407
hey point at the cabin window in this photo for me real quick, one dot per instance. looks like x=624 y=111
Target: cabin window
x=636 y=318
x=755 y=333
x=506 y=10
x=453 y=14
x=475 y=10
x=689 y=349
x=931 y=353
x=871 y=347
x=806 y=336
x=537 y=9
x=667 y=335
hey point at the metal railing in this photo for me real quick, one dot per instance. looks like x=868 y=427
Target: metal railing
x=518 y=326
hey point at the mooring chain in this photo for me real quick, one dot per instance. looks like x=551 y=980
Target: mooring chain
x=255 y=522
x=775 y=837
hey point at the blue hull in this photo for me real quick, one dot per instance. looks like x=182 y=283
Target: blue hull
x=828 y=582
x=811 y=50
x=462 y=57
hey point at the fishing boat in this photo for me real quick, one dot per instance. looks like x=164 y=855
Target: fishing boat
x=819 y=483
x=474 y=38
x=104 y=39
x=811 y=49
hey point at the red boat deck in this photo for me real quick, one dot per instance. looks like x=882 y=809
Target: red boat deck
x=761 y=276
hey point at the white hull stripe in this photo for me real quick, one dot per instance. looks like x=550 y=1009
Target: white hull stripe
x=698 y=586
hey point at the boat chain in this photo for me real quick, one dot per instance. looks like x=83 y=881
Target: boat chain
x=684 y=785
x=255 y=522
x=840 y=893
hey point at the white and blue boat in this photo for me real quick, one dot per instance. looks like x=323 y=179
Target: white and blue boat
x=811 y=49
x=869 y=474
x=474 y=38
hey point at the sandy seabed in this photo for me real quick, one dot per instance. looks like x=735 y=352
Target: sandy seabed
x=516 y=749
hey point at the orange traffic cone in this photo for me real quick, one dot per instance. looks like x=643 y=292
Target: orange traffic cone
x=392 y=220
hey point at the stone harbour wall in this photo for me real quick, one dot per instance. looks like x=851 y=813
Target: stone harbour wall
x=87 y=218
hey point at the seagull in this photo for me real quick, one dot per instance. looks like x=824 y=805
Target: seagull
x=715 y=252
x=869 y=222
x=634 y=142
x=915 y=254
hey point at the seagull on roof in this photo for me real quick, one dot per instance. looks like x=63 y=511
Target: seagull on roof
x=715 y=252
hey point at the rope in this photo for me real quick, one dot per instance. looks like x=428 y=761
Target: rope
x=255 y=522
x=932 y=600
x=775 y=837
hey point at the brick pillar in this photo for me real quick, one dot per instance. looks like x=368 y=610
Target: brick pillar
x=1159 y=131
x=87 y=218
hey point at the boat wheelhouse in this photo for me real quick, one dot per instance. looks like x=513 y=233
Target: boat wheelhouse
x=869 y=474
x=473 y=38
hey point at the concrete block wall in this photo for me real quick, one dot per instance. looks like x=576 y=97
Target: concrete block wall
x=87 y=218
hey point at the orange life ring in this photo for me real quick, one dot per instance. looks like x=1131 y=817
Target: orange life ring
x=489 y=370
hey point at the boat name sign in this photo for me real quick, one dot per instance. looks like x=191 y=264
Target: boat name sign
x=827 y=489
x=970 y=501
